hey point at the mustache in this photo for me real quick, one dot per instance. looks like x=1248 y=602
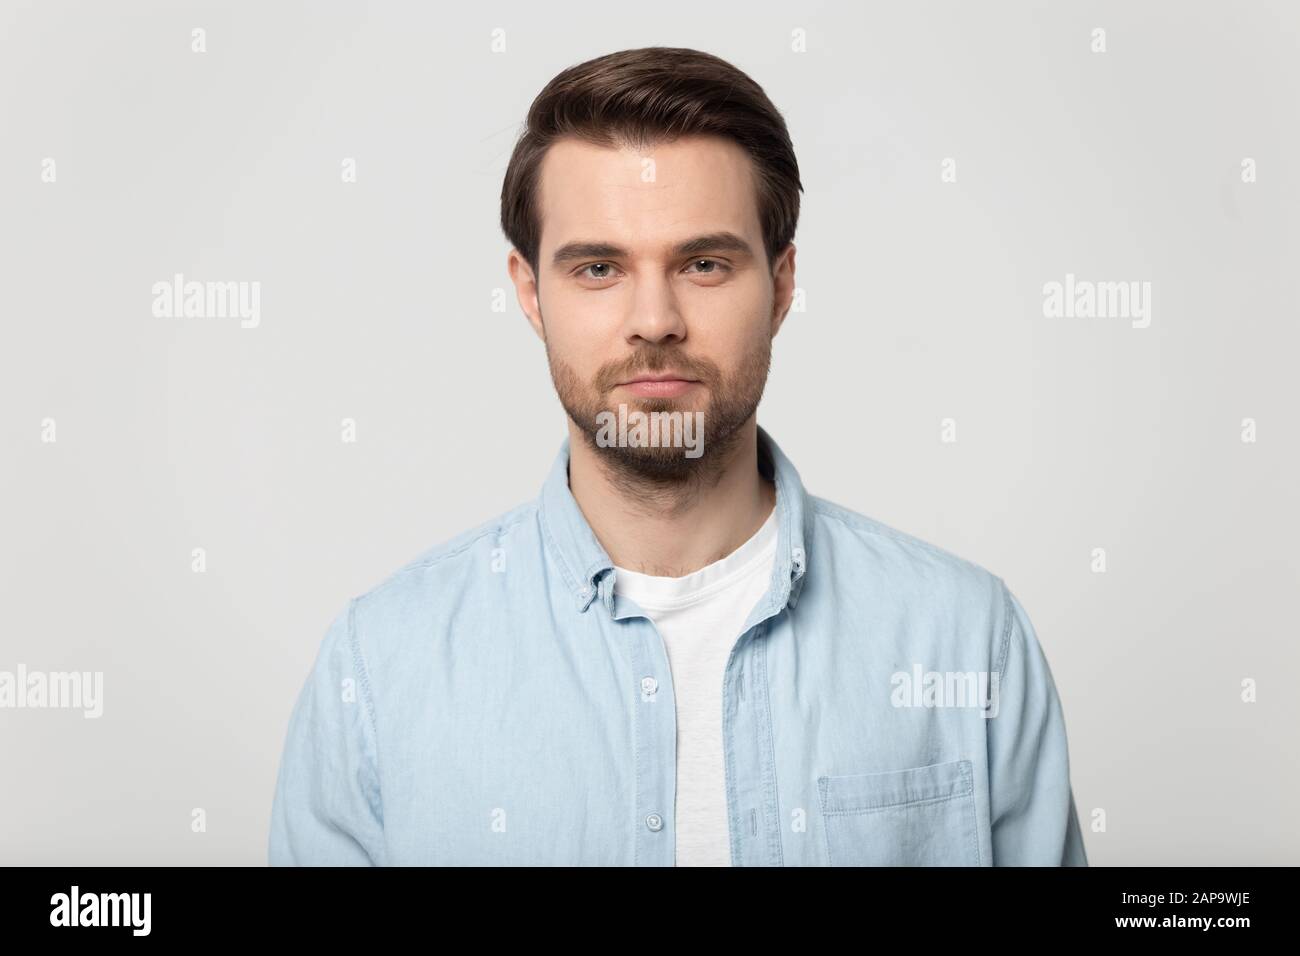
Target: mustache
x=648 y=363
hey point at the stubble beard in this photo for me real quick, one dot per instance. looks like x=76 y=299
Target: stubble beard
x=664 y=473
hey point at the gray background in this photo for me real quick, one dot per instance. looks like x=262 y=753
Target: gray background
x=924 y=302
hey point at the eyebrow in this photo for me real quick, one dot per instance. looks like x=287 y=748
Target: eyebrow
x=711 y=242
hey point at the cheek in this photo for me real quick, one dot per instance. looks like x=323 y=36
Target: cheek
x=570 y=338
x=575 y=313
x=734 y=319
x=564 y=316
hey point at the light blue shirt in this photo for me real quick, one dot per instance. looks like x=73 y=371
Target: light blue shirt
x=495 y=702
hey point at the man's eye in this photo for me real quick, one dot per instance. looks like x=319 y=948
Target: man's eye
x=605 y=270
x=599 y=275
x=715 y=267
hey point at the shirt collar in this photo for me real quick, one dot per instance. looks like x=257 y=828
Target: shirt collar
x=586 y=567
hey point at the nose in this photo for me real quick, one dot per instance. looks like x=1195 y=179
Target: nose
x=654 y=315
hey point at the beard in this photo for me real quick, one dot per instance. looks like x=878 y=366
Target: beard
x=732 y=401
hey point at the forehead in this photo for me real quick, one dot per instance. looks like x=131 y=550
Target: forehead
x=656 y=195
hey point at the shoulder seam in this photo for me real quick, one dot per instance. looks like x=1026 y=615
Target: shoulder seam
x=1005 y=649
x=419 y=565
x=363 y=672
x=871 y=526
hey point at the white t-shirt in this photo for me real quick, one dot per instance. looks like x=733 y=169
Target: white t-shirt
x=699 y=617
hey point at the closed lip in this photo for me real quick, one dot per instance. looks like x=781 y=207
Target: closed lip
x=668 y=377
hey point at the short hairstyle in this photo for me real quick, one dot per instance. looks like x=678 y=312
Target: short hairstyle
x=646 y=96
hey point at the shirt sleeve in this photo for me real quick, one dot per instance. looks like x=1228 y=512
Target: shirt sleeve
x=1032 y=810
x=327 y=809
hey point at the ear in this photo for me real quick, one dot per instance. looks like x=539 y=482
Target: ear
x=525 y=281
x=783 y=287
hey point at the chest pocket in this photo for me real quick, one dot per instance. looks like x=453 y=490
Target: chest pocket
x=921 y=816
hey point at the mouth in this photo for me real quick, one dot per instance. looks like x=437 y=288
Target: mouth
x=663 y=385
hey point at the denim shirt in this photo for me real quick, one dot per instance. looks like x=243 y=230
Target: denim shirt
x=495 y=702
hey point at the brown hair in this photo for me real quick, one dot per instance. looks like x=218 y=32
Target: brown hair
x=640 y=97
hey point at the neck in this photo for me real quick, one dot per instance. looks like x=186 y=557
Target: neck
x=672 y=530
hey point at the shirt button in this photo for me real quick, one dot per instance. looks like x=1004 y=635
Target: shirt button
x=654 y=821
x=649 y=685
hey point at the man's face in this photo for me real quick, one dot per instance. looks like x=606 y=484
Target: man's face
x=652 y=264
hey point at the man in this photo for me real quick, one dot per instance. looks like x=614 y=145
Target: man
x=674 y=655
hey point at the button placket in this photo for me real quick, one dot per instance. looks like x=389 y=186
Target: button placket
x=656 y=745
